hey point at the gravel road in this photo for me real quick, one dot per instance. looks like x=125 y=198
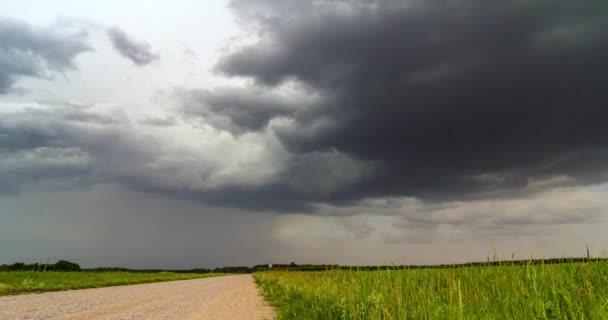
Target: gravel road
x=227 y=297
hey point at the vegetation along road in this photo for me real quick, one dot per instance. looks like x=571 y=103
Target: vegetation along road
x=228 y=297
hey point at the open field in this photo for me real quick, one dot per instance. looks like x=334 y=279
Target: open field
x=559 y=291
x=13 y=282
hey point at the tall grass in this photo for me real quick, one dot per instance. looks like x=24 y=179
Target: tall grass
x=560 y=291
x=30 y=281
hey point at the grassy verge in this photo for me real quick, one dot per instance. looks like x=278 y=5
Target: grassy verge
x=562 y=291
x=14 y=282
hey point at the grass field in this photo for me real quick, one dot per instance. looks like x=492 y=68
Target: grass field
x=28 y=281
x=560 y=291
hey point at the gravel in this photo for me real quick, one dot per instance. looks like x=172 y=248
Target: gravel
x=218 y=298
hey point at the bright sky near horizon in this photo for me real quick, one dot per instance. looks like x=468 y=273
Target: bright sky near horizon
x=183 y=134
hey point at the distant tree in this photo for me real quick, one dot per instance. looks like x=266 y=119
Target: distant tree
x=18 y=266
x=63 y=265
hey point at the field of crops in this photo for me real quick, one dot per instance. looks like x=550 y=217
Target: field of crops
x=36 y=281
x=559 y=291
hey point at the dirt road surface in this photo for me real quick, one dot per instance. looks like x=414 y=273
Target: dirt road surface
x=220 y=298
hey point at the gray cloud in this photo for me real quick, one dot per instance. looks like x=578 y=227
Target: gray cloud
x=116 y=178
x=458 y=220
x=452 y=100
x=55 y=147
x=111 y=148
x=38 y=143
x=241 y=109
x=140 y=53
x=294 y=184
x=352 y=101
x=6 y=82
x=249 y=171
x=159 y=121
x=26 y=51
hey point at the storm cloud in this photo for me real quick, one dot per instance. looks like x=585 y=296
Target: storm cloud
x=140 y=53
x=449 y=99
x=347 y=101
x=376 y=130
x=241 y=110
x=63 y=143
x=26 y=51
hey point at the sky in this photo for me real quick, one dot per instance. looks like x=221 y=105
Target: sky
x=183 y=134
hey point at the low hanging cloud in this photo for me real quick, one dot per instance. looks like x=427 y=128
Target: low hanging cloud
x=27 y=51
x=251 y=171
x=451 y=100
x=139 y=52
x=241 y=110
x=534 y=214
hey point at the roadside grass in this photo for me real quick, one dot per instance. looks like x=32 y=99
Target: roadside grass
x=558 y=291
x=14 y=282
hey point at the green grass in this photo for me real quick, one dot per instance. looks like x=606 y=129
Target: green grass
x=14 y=282
x=560 y=291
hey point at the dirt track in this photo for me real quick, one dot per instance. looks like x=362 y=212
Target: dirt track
x=229 y=297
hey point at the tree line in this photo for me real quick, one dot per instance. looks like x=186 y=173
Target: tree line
x=61 y=265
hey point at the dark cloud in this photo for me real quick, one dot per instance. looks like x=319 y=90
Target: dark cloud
x=63 y=146
x=140 y=53
x=68 y=143
x=63 y=143
x=351 y=100
x=36 y=52
x=449 y=98
x=309 y=178
x=241 y=109
x=421 y=127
